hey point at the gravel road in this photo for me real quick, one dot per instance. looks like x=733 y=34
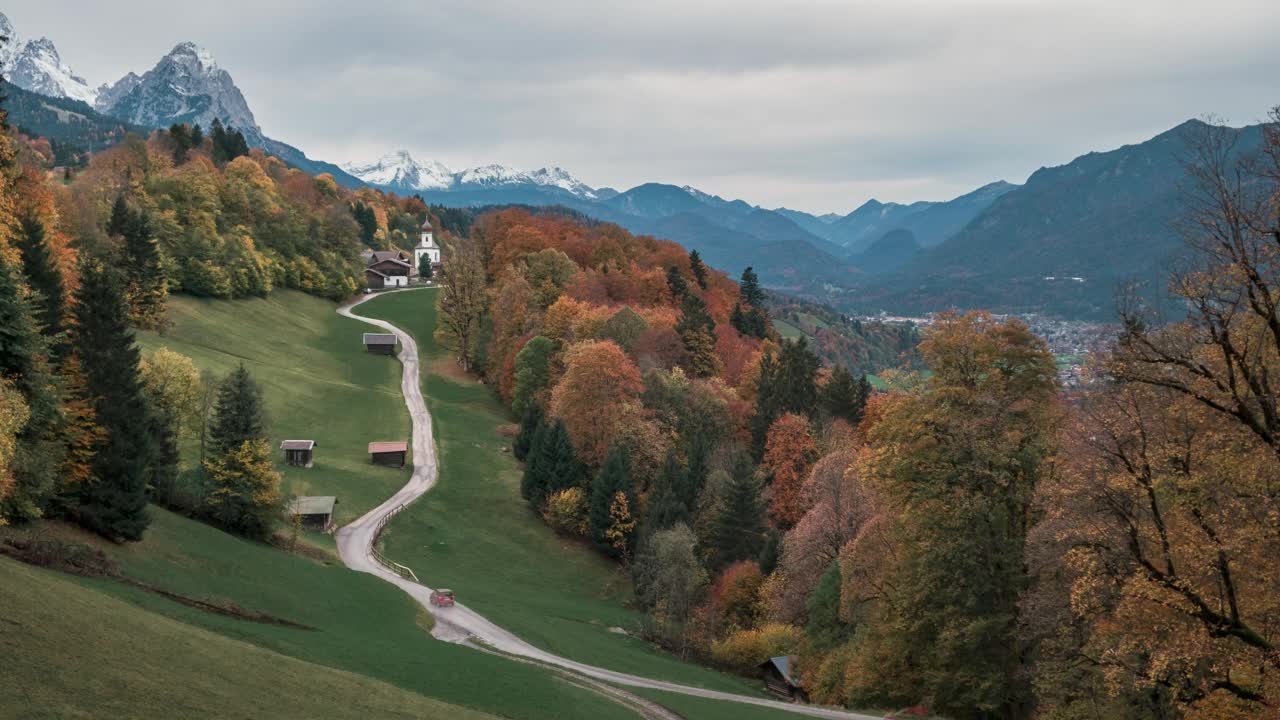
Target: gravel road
x=460 y=624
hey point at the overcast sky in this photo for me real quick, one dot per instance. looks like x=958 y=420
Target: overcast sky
x=812 y=105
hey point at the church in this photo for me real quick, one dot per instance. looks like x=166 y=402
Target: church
x=428 y=248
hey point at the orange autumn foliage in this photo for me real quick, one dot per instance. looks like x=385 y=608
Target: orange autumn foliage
x=596 y=396
x=788 y=455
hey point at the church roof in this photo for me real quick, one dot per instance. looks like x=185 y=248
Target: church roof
x=426 y=224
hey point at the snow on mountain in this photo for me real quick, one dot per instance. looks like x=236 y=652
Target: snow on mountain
x=36 y=66
x=399 y=171
x=185 y=86
x=110 y=94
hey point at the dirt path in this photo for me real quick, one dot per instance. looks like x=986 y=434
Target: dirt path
x=460 y=624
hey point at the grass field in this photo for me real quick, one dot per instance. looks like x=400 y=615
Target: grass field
x=474 y=534
x=318 y=381
x=134 y=663
x=61 y=636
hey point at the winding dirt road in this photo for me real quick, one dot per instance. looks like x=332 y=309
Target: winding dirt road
x=460 y=624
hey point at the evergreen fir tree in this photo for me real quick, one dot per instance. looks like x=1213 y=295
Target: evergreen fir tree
x=147 y=288
x=844 y=397
x=533 y=484
x=113 y=502
x=529 y=424
x=676 y=283
x=121 y=216
x=164 y=470
x=38 y=451
x=749 y=287
x=565 y=471
x=43 y=277
x=238 y=415
x=737 y=531
x=614 y=478
x=696 y=329
x=197 y=136
x=695 y=479
x=425 y=270
x=699 y=270
x=667 y=506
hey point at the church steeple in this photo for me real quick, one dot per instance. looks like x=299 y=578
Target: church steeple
x=426 y=246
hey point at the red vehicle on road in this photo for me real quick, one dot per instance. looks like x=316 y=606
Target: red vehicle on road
x=442 y=598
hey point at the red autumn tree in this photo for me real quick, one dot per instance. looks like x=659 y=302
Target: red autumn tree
x=596 y=395
x=788 y=455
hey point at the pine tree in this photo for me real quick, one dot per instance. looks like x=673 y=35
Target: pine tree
x=147 y=288
x=113 y=501
x=565 y=471
x=614 y=478
x=770 y=553
x=749 y=287
x=533 y=486
x=164 y=470
x=197 y=136
x=238 y=415
x=696 y=330
x=43 y=277
x=737 y=531
x=667 y=506
x=844 y=397
x=676 y=283
x=425 y=270
x=751 y=320
x=37 y=450
x=699 y=454
x=825 y=630
x=529 y=425
x=121 y=216
x=699 y=270
x=786 y=384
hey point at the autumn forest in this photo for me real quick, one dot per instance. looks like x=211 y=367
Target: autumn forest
x=969 y=538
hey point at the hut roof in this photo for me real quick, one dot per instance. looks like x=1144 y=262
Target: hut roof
x=312 y=505
x=375 y=272
x=378 y=256
x=297 y=444
x=783 y=664
x=379 y=339
x=386 y=447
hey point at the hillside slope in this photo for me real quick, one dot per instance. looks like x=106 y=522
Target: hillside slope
x=59 y=636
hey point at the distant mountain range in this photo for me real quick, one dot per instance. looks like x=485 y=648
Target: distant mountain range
x=1058 y=244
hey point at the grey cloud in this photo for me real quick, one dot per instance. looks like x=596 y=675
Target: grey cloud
x=816 y=105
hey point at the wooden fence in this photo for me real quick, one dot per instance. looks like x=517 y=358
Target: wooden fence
x=395 y=567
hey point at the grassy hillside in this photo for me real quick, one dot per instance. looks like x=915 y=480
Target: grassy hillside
x=318 y=381
x=67 y=650
x=474 y=533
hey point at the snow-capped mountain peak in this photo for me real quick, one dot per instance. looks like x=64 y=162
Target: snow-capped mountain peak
x=185 y=86
x=399 y=171
x=35 y=65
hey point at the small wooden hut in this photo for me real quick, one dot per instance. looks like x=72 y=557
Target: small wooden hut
x=298 y=452
x=315 y=512
x=389 y=454
x=779 y=680
x=380 y=343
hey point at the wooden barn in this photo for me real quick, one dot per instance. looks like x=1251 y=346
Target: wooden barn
x=298 y=452
x=777 y=673
x=380 y=343
x=316 y=512
x=389 y=454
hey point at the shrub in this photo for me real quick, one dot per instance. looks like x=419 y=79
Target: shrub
x=745 y=649
x=567 y=511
